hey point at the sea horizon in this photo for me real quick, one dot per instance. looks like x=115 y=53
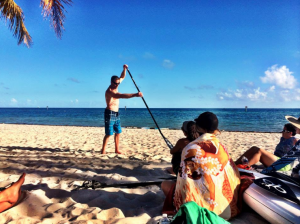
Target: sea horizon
x=230 y=119
x=151 y=107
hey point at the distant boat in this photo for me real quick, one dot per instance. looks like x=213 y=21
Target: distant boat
x=246 y=108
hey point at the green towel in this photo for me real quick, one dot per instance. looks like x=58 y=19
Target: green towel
x=194 y=214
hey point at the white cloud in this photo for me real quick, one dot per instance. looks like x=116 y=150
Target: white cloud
x=271 y=89
x=281 y=76
x=243 y=94
x=148 y=55
x=295 y=95
x=168 y=64
x=257 y=95
x=13 y=100
x=238 y=93
x=76 y=100
x=285 y=95
x=126 y=58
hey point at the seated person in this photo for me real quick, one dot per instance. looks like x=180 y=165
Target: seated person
x=287 y=141
x=296 y=149
x=207 y=175
x=12 y=195
x=189 y=130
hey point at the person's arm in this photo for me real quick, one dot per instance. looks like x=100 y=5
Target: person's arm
x=180 y=144
x=296 y=140
x=124 y=95
x=123 y=73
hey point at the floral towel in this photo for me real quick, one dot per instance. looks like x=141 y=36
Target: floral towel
x=208 y=177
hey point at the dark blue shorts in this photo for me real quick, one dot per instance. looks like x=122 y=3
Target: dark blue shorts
x=112 y=122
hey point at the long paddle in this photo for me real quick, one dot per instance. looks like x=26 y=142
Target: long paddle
x=96 y=184
x=166 y=140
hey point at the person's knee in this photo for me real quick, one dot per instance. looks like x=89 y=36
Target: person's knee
x=255 y=150
x=163 y=185
x=166 y=186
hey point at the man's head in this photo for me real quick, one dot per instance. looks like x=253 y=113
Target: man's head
x=207 y=122
x=288 y=131
x=115 y=80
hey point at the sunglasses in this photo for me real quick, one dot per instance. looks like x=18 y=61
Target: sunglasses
x=286 y=131
x=117 y=83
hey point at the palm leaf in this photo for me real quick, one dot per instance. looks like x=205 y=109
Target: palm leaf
x=13 y=14
x=56 y=11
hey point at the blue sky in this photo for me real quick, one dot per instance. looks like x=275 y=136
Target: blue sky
x=182 y=54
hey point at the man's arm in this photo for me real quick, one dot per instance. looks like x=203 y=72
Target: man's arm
x=125 y=95
x=123 y=74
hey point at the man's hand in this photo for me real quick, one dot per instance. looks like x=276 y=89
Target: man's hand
x=140 y=94
x=125 y=67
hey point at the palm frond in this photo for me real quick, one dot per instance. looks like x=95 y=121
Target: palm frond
x=13 y=14
x=56 y=11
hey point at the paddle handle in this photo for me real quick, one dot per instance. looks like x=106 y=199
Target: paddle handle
x=169 y=144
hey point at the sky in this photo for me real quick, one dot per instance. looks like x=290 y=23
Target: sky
x=181 y=54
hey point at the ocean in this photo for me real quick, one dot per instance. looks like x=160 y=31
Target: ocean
x=252 y=120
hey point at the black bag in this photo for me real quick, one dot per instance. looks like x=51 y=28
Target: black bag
x=176 y=160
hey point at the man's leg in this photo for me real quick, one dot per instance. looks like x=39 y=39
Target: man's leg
x=105 y=141
x=117 y=140
x=118 y=131
x=109 y=131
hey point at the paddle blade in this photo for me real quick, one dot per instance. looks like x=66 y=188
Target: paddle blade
x=277 y=187
x=169 y=144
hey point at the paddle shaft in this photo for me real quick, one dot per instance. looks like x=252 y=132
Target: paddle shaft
x=166 y=140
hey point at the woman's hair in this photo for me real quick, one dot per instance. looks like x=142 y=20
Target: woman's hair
x=290 y=128
x=191 y=132
x=208 y=121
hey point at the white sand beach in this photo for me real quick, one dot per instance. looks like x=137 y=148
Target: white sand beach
x=58 y=158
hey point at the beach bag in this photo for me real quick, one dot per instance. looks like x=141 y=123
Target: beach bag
x=192 y=213
x=176 y=160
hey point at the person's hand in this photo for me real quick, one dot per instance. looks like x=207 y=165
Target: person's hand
x=140 y=94
x=125 y=67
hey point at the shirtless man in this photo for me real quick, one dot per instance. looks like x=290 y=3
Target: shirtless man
x=111 y=114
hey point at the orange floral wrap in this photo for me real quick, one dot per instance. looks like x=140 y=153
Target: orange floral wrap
x=208 y=176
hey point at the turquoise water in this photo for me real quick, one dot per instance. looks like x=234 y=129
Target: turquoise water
x=258 y=120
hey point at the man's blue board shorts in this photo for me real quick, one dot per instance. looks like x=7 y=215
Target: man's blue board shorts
x=112 y=122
